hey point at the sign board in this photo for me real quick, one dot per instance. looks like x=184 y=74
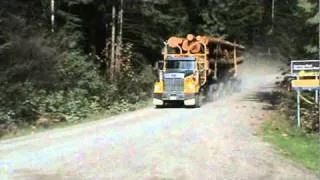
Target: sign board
x=307 y=74
x=306 y=84
x=305 y=67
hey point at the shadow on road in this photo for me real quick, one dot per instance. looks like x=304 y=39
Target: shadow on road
x=271 y=98
x=35 y=175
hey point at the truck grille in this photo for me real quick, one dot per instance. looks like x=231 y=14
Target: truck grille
x=173 y=84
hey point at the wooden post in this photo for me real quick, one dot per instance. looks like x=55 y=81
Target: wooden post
x=113 y=34
x=215 y=69
x=235 y=59
x=216 y=62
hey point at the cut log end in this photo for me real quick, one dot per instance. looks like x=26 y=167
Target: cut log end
x=190 y=37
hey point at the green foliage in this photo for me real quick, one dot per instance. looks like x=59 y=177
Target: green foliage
x=238 y=20
x=232 y=19
x=311 y=22
x=303 y=148
x=73 y=105
x=48 y=78
x=307 y=6
x=130 y=81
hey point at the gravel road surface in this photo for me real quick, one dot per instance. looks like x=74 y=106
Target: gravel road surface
x=216 y=141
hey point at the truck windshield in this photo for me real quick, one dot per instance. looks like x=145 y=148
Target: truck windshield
x=180 y=65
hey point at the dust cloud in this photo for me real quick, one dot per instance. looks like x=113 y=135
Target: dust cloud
x=257 y=70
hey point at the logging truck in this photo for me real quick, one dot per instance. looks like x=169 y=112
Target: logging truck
x=196 y=68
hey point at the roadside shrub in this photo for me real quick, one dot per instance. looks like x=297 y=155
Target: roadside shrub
x=46 y=79
x=134 y=83
x=309 y=112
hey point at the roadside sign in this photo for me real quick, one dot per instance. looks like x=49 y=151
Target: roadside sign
x=306 y=84
x=307 y=74
x=305 y=67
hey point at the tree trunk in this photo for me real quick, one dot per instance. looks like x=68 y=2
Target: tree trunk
x=119 y=38
x=52 y=15
x=113 y=35
x=272 y=16
x=107 y=56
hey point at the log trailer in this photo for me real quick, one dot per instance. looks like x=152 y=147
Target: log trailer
x=195 y=67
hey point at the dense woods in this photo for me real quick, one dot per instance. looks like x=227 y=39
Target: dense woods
x=65 y=75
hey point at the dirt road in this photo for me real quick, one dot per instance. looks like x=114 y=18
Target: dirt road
x=216 y=141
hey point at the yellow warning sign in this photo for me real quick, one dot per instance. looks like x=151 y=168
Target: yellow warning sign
x=306 y=83
x=305 y=73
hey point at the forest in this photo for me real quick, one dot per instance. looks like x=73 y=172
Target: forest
x=64 y=71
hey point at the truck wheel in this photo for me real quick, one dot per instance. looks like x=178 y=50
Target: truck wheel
x=221 y=90
x=198 y=101
x=215 y=95
x=159 y=106
x=229 y=87
x=237 y=87
x=210 y=95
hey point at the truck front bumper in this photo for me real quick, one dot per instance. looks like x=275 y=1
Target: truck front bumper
x=160 y=98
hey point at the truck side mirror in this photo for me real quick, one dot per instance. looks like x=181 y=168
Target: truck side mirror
x=158 y=65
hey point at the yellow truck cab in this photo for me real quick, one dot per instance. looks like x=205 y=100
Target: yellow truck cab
x=178 y=80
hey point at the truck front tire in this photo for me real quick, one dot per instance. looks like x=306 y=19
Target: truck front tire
x=210 y=92
x=159 y=106
x=197 y=101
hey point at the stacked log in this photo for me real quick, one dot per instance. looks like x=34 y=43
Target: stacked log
x=185 y=45
x=175 y=41
x=189 y=44
x=219 y=49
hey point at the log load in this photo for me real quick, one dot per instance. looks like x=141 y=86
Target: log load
x=220 y=50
